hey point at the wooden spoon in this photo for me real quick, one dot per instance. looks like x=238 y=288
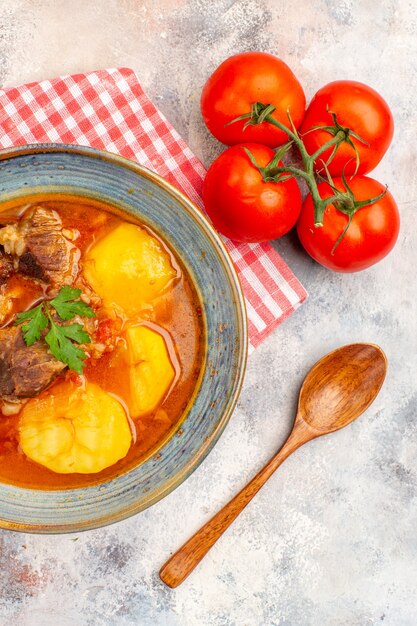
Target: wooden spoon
x=338 y=389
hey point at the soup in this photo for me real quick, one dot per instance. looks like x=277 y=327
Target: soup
x=101 y=342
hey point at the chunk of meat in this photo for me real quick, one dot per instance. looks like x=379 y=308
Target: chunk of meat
x=24 y=370
x=6 y=266
x=43 y=252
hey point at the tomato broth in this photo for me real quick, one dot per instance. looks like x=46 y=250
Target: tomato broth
x=175 y=315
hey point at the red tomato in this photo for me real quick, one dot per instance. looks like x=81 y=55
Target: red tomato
x=241 y=205
x=357 y=107
x=242 y=80
x=369 y=238
x=105 y=330
x=75 y=378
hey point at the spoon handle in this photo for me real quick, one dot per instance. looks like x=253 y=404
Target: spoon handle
x=182 y=563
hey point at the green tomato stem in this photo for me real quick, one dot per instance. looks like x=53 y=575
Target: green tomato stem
x=343 y=201
x=334 y=141
x=308 y=173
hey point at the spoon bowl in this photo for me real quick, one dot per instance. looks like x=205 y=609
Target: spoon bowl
x=341 y=386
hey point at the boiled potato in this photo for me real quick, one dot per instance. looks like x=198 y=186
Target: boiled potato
x=151 y=370
x=74 y=429
x=128 y=268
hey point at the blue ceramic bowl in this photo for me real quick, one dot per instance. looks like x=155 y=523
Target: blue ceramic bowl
x=71 y=170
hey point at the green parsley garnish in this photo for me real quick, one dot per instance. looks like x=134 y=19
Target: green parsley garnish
x=61 y=340
x=35 y=322
x=68 y=305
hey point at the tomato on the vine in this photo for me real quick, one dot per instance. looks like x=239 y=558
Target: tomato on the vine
x=370 y=236
x=357 y=107
x=244 y=207
x=239 y=82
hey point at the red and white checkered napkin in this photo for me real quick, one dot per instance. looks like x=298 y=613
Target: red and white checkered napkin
x=108 y=109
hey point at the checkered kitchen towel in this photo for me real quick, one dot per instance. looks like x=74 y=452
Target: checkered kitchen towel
x=108 y=109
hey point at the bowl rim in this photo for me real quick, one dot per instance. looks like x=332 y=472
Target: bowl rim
x=241 y=316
